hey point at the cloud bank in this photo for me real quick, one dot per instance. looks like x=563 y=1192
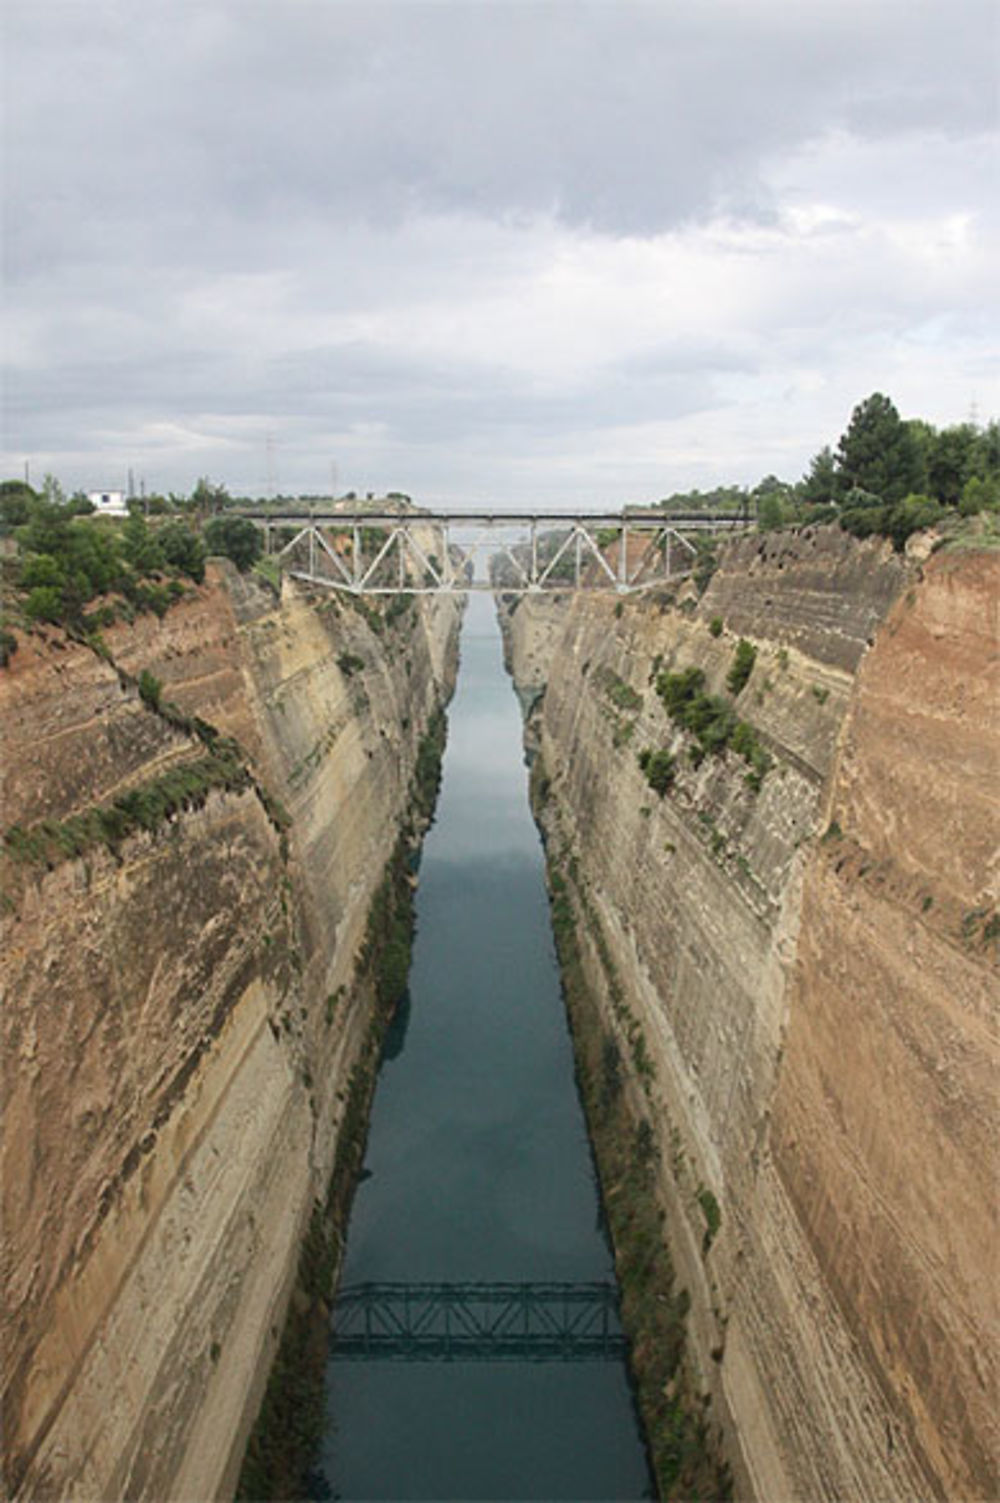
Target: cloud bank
x=562 y=253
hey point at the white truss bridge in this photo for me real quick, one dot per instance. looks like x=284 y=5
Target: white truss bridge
x=427 y=553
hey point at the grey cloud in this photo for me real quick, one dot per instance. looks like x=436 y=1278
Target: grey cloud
x=190 y=187
x=202 y=120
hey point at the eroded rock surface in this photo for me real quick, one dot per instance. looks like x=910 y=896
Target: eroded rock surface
x=179 y=1021
x=814 y=967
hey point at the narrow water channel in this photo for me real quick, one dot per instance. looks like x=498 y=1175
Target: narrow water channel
x=478 y=1167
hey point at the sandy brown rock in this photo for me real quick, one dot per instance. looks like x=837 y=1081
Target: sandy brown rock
x=173 y=1073
x=885 y=1124
x=820 y=1012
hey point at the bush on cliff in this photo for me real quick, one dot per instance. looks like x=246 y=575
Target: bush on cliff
x=146 y=807
x=236 y=539
x=183 y=549
x=67 y=559
x=865 y=517
x=659 y=768
x=712 y=719
x=743 y=660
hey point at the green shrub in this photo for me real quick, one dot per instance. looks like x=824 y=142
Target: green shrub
x=712 y=720
x=8 y=646
x=349 y=662
x=715 y=626
x=659 y=767
x=980 y=493
x=743 y=740
x=742 y=666
x=150 y=689
x=183 y=549
x=269 y=570
x=140 y=547
x=398 y=607
x=679 y=690
x=42 y=569
x=611 y=1071
x=713 y=1217
x=645 y=1142
x=864 y=521
x=427 y=770
x=621 y=694
x=145 y=807
x=45 y=603
x=912 y=514
x=706 y=562
x=236 y=538
x=147 y=596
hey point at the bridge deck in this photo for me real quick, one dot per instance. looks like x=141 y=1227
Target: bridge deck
x=332 y=517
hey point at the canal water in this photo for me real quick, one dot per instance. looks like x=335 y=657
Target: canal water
x=478 y=1166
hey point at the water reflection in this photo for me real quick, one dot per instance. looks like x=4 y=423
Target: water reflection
x=478 y=1159
x=395 y=1037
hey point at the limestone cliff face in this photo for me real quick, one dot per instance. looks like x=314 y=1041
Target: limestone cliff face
x=813 y=967
x=178 y=1014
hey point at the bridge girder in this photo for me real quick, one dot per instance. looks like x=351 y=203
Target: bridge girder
x=437 y=553
x=495 y=1322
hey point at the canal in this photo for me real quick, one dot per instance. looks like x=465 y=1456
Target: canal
x=478 y=1167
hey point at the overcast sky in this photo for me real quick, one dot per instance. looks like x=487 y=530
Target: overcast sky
x=560 y=253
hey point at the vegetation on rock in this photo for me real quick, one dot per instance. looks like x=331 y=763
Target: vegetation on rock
x=659 y=767
x=887 y=476
x=235 y=538
x=685 y=1461
x=67 y=559
x=712 y=719
x=742 y=667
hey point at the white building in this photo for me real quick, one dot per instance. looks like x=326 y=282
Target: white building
x=108 y=503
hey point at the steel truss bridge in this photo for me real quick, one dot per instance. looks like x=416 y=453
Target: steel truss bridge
x=429 y=553
x=475 y=1322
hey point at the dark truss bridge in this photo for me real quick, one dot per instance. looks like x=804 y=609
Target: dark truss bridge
x=477 y=1322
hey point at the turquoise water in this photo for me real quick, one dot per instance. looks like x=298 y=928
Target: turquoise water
x=478 y=1166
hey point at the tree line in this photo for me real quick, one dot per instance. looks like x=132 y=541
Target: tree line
x=887 y=475
x=83 y=572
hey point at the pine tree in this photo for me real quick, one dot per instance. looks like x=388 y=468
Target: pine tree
x=878 y=453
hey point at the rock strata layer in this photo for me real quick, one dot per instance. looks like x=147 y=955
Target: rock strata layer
x=813 y=967
x=179 y=1012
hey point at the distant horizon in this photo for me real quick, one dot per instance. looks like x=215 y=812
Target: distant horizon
x=140 y=486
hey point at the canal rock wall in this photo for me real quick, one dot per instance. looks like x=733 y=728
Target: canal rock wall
x=179 y=1012
x=813 y=967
